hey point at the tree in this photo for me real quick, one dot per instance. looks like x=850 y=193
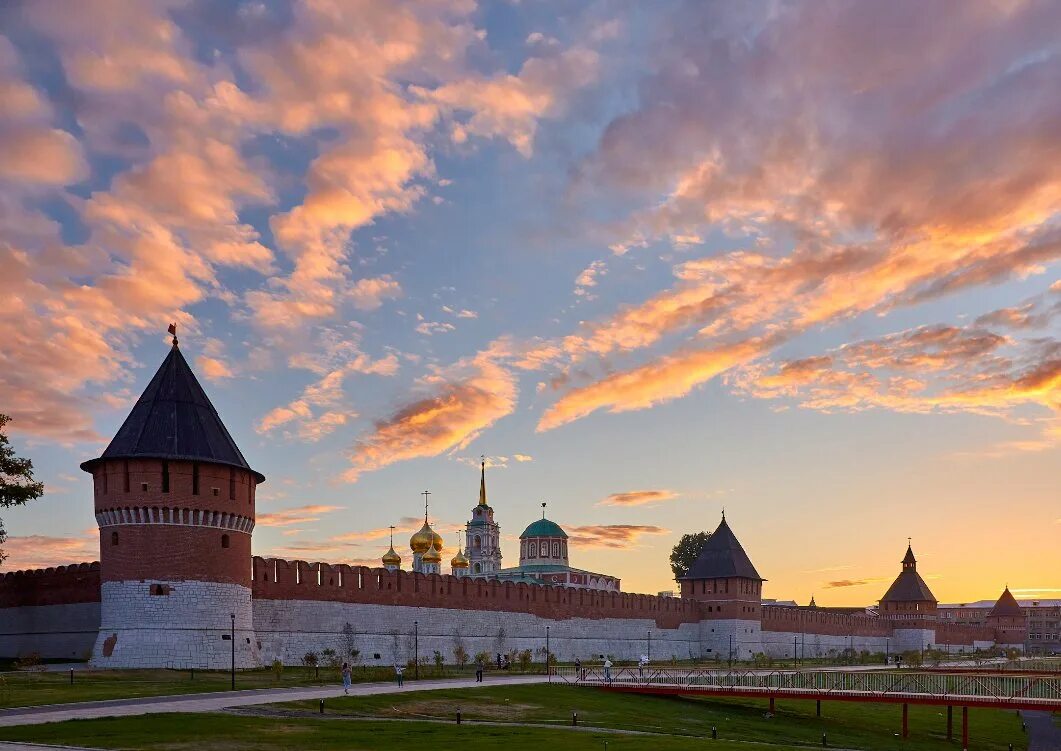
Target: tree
x=686 y=552
x=17 y=485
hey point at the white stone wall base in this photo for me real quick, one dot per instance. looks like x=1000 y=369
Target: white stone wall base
x=181 y=630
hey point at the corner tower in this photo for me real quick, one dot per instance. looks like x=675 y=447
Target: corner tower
x=910 y=604
x=1008 y=621
x=174 y=501
x=483 y=538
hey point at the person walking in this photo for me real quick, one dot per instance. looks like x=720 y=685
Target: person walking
x=607 y=670
x=398 y=674
x=346 y=677
x=578 y=670
x=641 y=667
x=479 y=671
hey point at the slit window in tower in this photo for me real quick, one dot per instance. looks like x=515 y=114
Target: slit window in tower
x=165 y=477
x=125 y=470
x=114 y=538
x=231 y=483
x=224 y=541
x=195 y=478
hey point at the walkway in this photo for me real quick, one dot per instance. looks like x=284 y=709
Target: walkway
x=1043 y=734
x=215 y=702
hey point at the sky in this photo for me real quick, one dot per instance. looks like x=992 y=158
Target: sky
x=800 y=261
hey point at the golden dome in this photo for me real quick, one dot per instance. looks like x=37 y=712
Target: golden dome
x=391 y=558
x=424 y=539
x=459 y=561
x=432 y=556
x=436 y=541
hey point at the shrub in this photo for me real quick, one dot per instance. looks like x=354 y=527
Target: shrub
x=483 y=657
x=439 y=661
x=524 y=658
x=310 y=659
x=331 y=658
x=278 y=668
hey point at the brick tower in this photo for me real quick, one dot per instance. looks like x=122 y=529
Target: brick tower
x=1008 y=621
x=912 y=606
x=174 y=500
x=483 y=538
x=725 y=580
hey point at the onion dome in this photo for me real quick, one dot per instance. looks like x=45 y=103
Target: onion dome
x=391 y=558
x=423 y=540
x=460 y=560
x=436 y=541
x=432 y=556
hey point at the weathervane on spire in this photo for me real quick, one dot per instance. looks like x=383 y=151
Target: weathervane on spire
x=425 y=494
x=543 y=509
x=173 y=330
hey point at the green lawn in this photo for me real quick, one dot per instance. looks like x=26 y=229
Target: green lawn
x=846 y=724
x=297 y=724
x=30 y=688
x=175 y=732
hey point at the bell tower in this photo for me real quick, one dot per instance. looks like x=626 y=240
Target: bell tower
x=482 y=543
x=174 y=501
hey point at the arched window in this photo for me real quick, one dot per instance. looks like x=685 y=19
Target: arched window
x=478 y=568
x=478 y=542
x=114 y=538
x=556 y=550
x=545 y=550
x=224 y=541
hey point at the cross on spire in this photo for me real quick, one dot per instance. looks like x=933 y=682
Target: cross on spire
x=425 y=494
x=392 y=535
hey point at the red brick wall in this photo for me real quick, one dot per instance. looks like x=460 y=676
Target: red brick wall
x=962 y=634
x=111 y=493
x=63 y=585
x=818 y=621
x=175 y=553
x=276 y=579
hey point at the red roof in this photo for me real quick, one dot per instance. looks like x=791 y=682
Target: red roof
x=1006 y=607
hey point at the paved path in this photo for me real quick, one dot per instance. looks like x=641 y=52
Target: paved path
x=214 y=702
x=1043 y=734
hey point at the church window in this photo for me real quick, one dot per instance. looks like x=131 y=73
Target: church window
x=545 y=550
x=478 y=542
x=478 y=568
x=556 y=550
x=532 y=550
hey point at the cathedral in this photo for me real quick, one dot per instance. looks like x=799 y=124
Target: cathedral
x=543 y=555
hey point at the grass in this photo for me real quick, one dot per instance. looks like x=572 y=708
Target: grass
x=740 y=723
x=35 y=687
x=174 y=732
x=846 y=724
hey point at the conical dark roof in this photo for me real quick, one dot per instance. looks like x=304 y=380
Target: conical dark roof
x=1006 y=607
x=908 y=585
x=721 y=557
x=174 y=419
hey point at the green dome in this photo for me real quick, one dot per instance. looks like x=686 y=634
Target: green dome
x=543 y=528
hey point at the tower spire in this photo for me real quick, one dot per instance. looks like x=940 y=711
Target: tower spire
x=425 y=494
x=543 y=509
x=482 y=481
x=173 y=330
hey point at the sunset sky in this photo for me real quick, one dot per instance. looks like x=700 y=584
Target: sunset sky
x=801 y=261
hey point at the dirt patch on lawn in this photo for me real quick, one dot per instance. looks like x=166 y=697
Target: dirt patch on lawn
x=477 y=709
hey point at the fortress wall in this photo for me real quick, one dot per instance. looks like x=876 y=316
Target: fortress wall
x=53 y=612
x=276 y=579
x=288 y=629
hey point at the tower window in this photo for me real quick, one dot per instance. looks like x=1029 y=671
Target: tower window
x=114 y=538
x=216 y=491
x=165 y=477
x=195 y=478
x=231 y=484
x=143 y=487
x=224 y=541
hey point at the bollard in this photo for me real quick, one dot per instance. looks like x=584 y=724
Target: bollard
x=71 y=676
x=1023 y=728
x=574 y=718
x=192 y=671
x=825 y=741
x=714 y=733
x=458 y=715
x=322 y=706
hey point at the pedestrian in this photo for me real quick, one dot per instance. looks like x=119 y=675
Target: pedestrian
x=578 y=669
x=607 y=670
x=398 y=674
x=479 y=671
x=498 y=660
x=641 y=667
x=346 y=678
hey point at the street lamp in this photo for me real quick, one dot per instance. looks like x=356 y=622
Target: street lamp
x=548 y=672
x=232 y=638
x=416 y=650
x=649 y=654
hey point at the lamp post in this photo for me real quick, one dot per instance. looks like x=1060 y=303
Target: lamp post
x=649 y=654
x=232 y=638
x=416 y=650
x=548 y=672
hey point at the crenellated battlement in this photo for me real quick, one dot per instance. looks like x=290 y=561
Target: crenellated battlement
x=58 y=585
x=278 y=579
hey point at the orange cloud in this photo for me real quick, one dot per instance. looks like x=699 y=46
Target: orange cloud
x=298 y=515
x=638 y=498
x=615 y=536
x=43 y=551
x=663 y=379
x=461 y=403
